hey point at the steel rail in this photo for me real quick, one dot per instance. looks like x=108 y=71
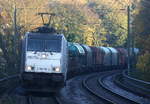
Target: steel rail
x=101 y=82
x=5 y=83
x=118 y=80
x=57 y=100
x=9 y=77
x=105 y=100
x=29 y=100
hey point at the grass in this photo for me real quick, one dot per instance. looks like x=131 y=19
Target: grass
x=140 y=74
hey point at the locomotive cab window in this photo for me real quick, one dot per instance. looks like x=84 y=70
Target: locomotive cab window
x=35 y=45
x=53 y=45
x=44 y=45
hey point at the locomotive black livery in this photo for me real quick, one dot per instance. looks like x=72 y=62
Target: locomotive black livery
x=87 y=59
x=44 y=60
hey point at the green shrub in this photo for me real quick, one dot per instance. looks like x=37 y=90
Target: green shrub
x=143 y=67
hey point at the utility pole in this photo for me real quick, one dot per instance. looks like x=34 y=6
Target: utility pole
x=132 y=38
x=15 y=29
x=15 y=32
x=15 y=22
x=129 y=39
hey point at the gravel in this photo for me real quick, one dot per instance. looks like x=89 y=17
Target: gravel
x=73 y=93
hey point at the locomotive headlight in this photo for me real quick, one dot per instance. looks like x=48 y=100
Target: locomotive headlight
x=43 y=56
x=29 y=68
x=57 y=69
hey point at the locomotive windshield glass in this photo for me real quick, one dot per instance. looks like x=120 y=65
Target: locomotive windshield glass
x=35 y=45
x=53 y=45
x=44 y=45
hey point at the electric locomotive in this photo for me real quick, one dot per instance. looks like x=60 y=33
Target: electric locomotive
x=44 y=60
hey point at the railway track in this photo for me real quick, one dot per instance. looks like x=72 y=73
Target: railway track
x=91 y=83
x=8 y=84
x=102 y=84
x=43 y=100
x=138 y=90
x=29 y=100
x=7 y=88
x=108 y=80
x=94 y=92
x=7 y=91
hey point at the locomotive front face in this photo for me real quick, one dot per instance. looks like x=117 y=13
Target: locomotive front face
x=43 y=55
x=44 y=61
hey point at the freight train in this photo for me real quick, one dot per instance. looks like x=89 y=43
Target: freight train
x=87 y=59
x=48 y=60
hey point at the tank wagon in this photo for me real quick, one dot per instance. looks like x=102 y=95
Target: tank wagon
x=85 y=59
x=44 y=60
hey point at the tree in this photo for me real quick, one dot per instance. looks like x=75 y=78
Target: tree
x=78 y=22
x=113 y=17
x=10 y=42
x=141 y=30
x=142 y=27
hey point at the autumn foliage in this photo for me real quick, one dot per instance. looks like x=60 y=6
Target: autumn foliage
x=144 y=62
x=143 y=66
x=142 y=39
x=91 y=22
